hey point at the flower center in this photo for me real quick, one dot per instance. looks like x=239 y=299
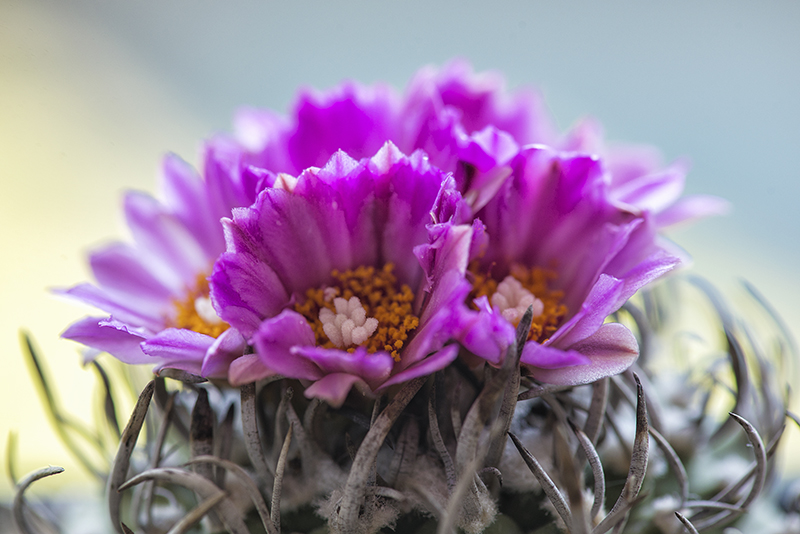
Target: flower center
x=349 y=324
x=511 y=299
x=362 y=306
x=195 y=312
x=523 y=287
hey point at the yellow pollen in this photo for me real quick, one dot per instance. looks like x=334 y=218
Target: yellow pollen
x=381 y=299
x=187 y=315
x=536 y=280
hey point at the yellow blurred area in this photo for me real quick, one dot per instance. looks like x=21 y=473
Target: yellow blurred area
x=68 y=148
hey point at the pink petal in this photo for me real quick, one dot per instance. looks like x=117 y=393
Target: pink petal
x=434 y=362
x=226 y=348
x=118 y=268
x=98 y=298
x=652 y=192
x=245 y=291
x=179 y=348
x=373 y=368
x=692 y=208
x=608 y=295
x=332 y=388
x=487 y=334
x=549 y=357
x=246 y=369
x=120 y=342
x=275 y=339
x=165 y=244
x=610 y=351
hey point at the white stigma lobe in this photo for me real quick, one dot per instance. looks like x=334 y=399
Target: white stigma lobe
x=204 y=309
x=329 y=293
x=512 y=300
x=349 y=325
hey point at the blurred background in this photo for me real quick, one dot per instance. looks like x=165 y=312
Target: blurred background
x=92 y=94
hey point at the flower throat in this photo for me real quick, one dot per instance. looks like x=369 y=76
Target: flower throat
x=386 y=320
x=524 y=286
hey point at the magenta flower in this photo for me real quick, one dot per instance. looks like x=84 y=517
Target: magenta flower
x=469 y=125
x=321 y=276
x=355 y=119
x=456 y=117
x=155 y=289
x=553 y=238
x=335 y=207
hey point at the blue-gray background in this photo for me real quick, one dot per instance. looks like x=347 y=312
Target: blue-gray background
x=93 y=92
x=717 y=82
